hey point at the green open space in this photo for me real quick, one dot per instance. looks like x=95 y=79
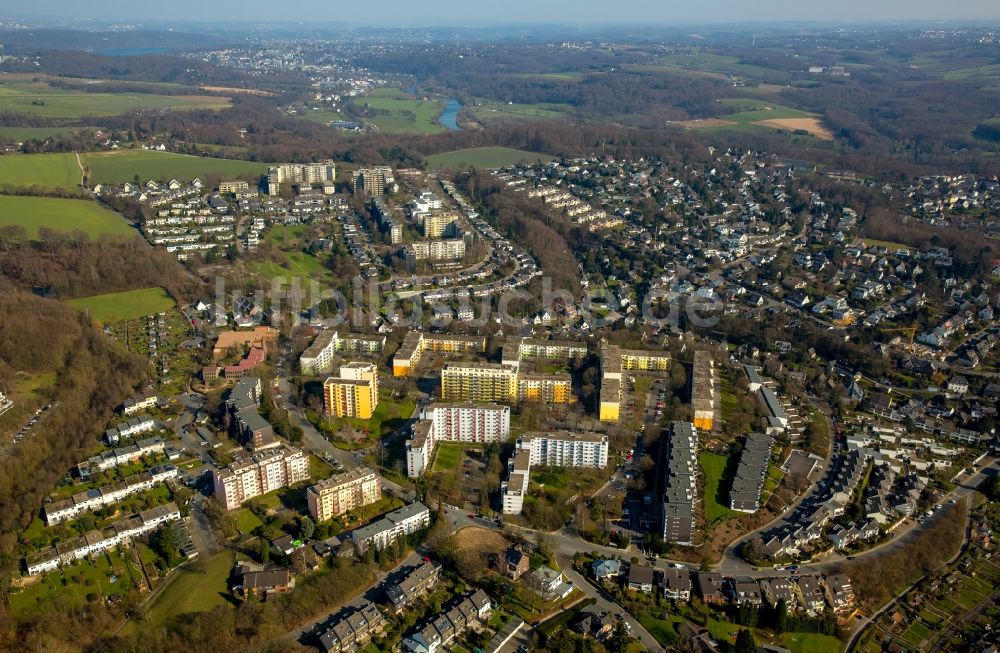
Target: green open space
x=246 y=521
x=916 y=633
x=483 y=157
x=298 y=264
x=390 y=414
x=562 y=76
x=39 y=99
x=125 y=165
x=61 y=214
x=195 y=588
x=492 y=111
x=21 y=134
x=662 y=629
x=811 y=643
x=714 y=467
x=447 y=455
x=127 y=305
x=71 y=585
x=396 y=112
x=46 y=170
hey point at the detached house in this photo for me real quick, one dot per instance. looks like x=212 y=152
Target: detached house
x=514 y=562
x=677 y=584
x=640 y=578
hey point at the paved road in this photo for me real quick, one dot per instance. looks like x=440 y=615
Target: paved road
x=314 y=441
x=605 y=603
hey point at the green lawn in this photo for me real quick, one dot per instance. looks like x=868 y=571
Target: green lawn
x=40 y=99
x=246 y=521
x=395 y=112
x=661 y=629
x=811 y=643
x=714 y=466
x=46 y=170
x=390 y=414
x=483 y=157
x=189 y=591
x=447 y=455
x=124 y=165
x=61 y=215
x=127 y=305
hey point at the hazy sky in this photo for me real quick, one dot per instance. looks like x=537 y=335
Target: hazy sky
x=457 y=12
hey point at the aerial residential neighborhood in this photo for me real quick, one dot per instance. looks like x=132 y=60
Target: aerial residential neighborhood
x=499 y=328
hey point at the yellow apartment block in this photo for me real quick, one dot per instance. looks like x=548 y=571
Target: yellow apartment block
x=645 y=361
x=352 y=394
x=545 y=388
x=416 y=343
x=615 y=361
x=343 y=492
x=478 y=382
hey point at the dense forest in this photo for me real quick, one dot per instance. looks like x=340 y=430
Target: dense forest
x=74 y=265
x=93 y=377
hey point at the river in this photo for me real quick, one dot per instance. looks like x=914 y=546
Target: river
x=449 y=117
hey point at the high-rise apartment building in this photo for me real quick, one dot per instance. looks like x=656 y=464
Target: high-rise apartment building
x=343 y=492
x=354 y=393
x=261 y=473
x=299 y=173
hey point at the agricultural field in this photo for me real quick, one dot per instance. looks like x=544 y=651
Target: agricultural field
x=21 y=134
x=128 y=305
x=748 y=115
x=491 y=111
x=45 y=170
x=61 y=215
x=396 y=112
x=483 y=157
x=563 y=76
x=125 y=165
x=714 y=466
x=37 y=98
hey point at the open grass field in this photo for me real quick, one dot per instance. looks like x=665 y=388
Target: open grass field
x=483 y=157
x=21 y=134
x=493 y=111
x=396 y=112
x=128 y=305
x=300 y=264
x=563 y=76
x=189 y=590
x=61 y=215
x=714 y=466
x=123 y=165
x=39 y=99
x=45 y=170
